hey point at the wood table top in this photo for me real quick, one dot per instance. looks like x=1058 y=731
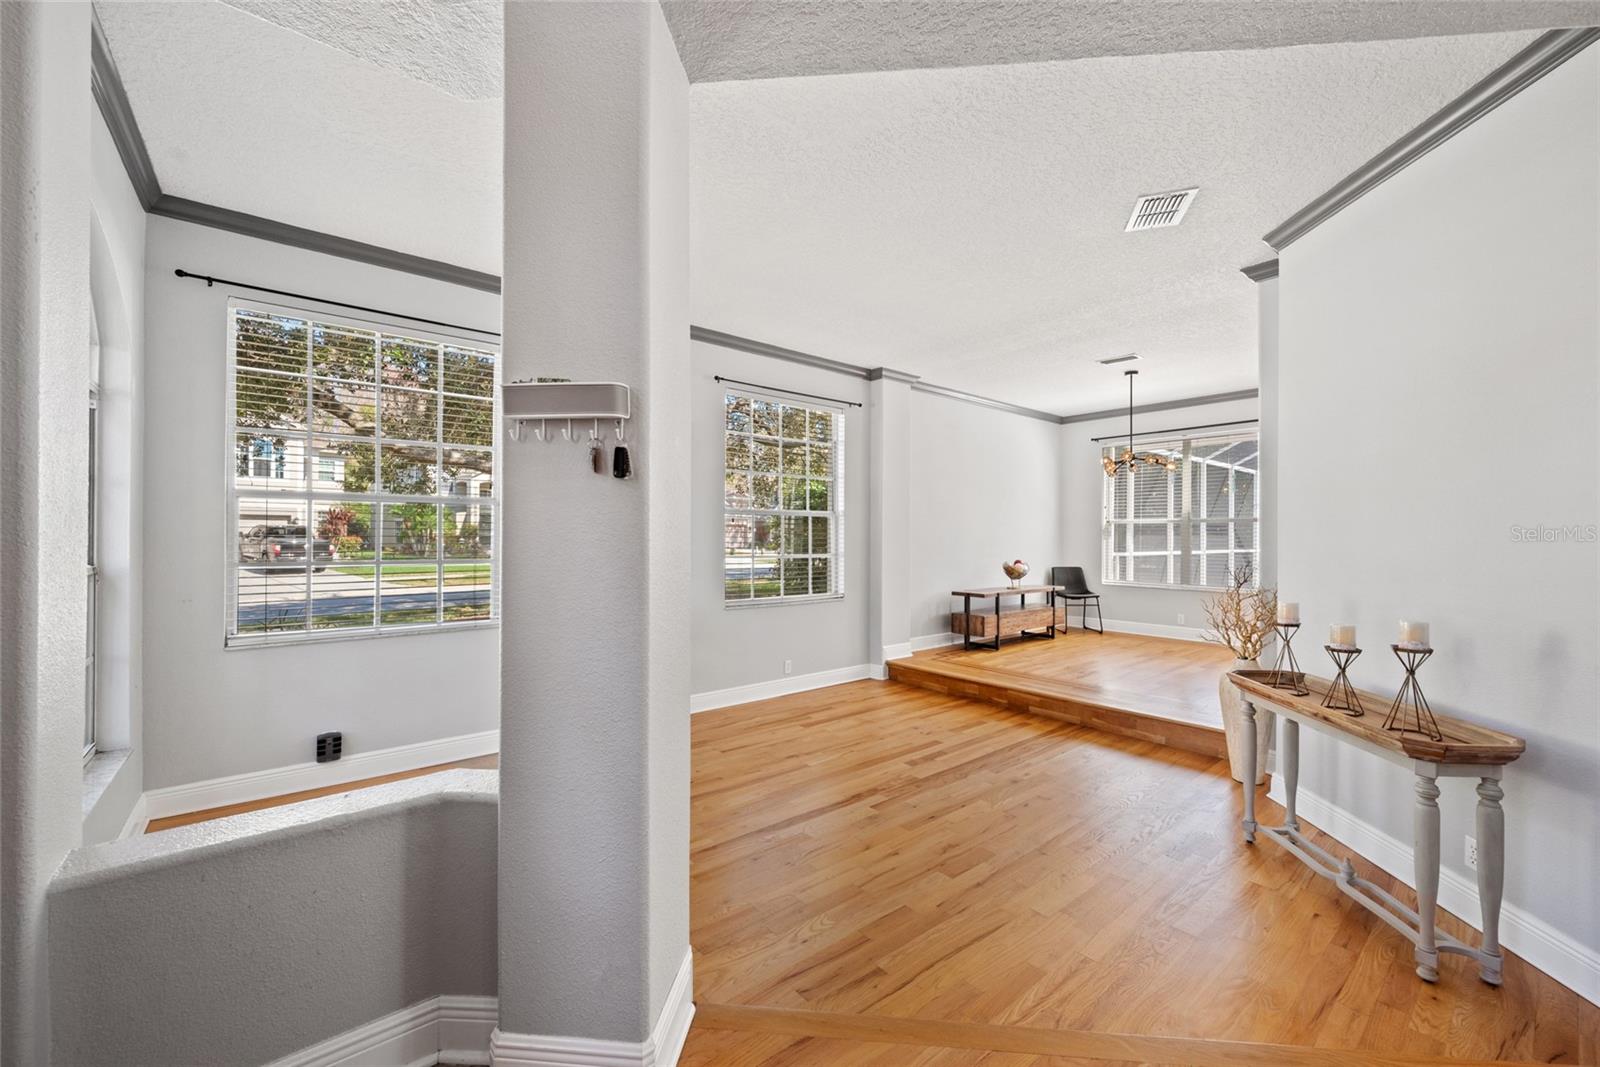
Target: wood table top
x=998 y=590
x=1464 y=742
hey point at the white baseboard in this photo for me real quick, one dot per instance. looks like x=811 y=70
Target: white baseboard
x=799 y=683
x=899 y=651
x=1574 y=965
x=1120 y=626
x=1156 y=629
x=927 y=641
x=259 y=785
x=661 y=1049
x=138 y=819
x=449 y=1029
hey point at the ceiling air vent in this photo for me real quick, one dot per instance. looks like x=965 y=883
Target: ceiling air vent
x=1129 y=358
x=1160 y=209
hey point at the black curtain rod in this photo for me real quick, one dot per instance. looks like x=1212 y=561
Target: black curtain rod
x=210 y=281
x=1180 y=429
x=787 y=392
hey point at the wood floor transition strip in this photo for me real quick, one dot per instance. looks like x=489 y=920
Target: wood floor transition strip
x=1083 y=1044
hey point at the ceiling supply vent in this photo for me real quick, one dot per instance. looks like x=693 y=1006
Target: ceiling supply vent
x=1160 y=209
x=1129 y=358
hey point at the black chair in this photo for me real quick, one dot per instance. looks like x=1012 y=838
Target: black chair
x=1075 y=588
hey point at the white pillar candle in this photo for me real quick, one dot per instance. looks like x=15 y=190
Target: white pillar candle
x=1414 y=633
x=1342 y=635
x=1288 y=612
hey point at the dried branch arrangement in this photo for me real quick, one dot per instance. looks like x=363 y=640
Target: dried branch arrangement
x=1242 y=617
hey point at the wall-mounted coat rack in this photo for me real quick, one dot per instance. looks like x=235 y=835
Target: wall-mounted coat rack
x=566 y=403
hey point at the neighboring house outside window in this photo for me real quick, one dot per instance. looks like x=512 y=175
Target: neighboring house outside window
x=348 y=440
x=1190 y=527
x=783 y=501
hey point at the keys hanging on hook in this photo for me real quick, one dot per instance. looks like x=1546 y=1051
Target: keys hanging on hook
x=597 y=456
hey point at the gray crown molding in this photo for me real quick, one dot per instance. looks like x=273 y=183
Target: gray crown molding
x=1260 y=272
x=221 y=218
x=1523 y=69
x=762 y=348
x=1164 y=405
x=106 y=86
x=889 y=374
x=983 y=401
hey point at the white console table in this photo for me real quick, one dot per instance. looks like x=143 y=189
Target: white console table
x=1466 y=751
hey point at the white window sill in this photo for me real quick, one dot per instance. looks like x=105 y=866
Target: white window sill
x=1164 y=585
x=98 y=774
x=780 y=602
x=333 y=637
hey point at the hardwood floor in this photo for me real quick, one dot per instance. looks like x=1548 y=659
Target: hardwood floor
x=875 y=849
x=1151 y=688
x=885 y=875
x=208 y=814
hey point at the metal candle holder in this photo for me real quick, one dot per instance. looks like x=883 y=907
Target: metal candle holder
x=1341 y=695
x=1290 y=679
x=1411 y=657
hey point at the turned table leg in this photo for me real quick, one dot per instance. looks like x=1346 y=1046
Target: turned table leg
x=1427 y=872
x=1291 y=770
x=1491 y=875
x=1248 y=711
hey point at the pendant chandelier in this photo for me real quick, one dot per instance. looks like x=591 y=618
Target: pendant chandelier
x=1131 y=460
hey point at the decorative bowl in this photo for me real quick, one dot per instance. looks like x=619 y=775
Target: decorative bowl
x=1016 y=570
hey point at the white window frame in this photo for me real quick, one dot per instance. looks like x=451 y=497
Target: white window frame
x=1182 y=519
x=310 y=496
x=835 y=515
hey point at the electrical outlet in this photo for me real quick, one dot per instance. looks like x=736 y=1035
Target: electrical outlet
x=1180 y=618
x=1472 y=852
x=788 y=666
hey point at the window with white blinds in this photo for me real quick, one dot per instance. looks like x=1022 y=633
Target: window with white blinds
x=360 y=468
x=783 y=504
x=1192 y=526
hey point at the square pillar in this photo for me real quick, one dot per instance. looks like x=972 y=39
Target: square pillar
x=594 y=774
x=889 y=517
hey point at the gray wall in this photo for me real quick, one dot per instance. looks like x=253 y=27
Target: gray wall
x=985 y=488
x=1438 y=386
x=742 y=646
x=212 y=712
x=1082 y=501
x=241 y=940
x=44 y=379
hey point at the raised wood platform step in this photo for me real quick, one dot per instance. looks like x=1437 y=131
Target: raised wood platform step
x=1149 y=716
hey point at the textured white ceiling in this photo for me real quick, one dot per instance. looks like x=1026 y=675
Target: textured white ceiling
x=966 y=224
x=246 y=114
x=736 y=39
x=452 y=45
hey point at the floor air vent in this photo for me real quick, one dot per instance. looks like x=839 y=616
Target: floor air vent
x=329 y=747
x=1160 y=209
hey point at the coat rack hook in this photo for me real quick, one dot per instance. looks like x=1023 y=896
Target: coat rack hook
x=619 y=430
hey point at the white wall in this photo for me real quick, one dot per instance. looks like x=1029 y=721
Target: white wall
x=1083 y=487
x=117 y=267
x=1438 y=389
x=346 y=908
x=209 y=711
x=44 y=375
x=985 y=489
x=747 y=645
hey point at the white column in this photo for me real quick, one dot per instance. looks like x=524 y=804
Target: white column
x=44 y=394
x=1267 y=355
x=594 y=779
x=889 y=515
